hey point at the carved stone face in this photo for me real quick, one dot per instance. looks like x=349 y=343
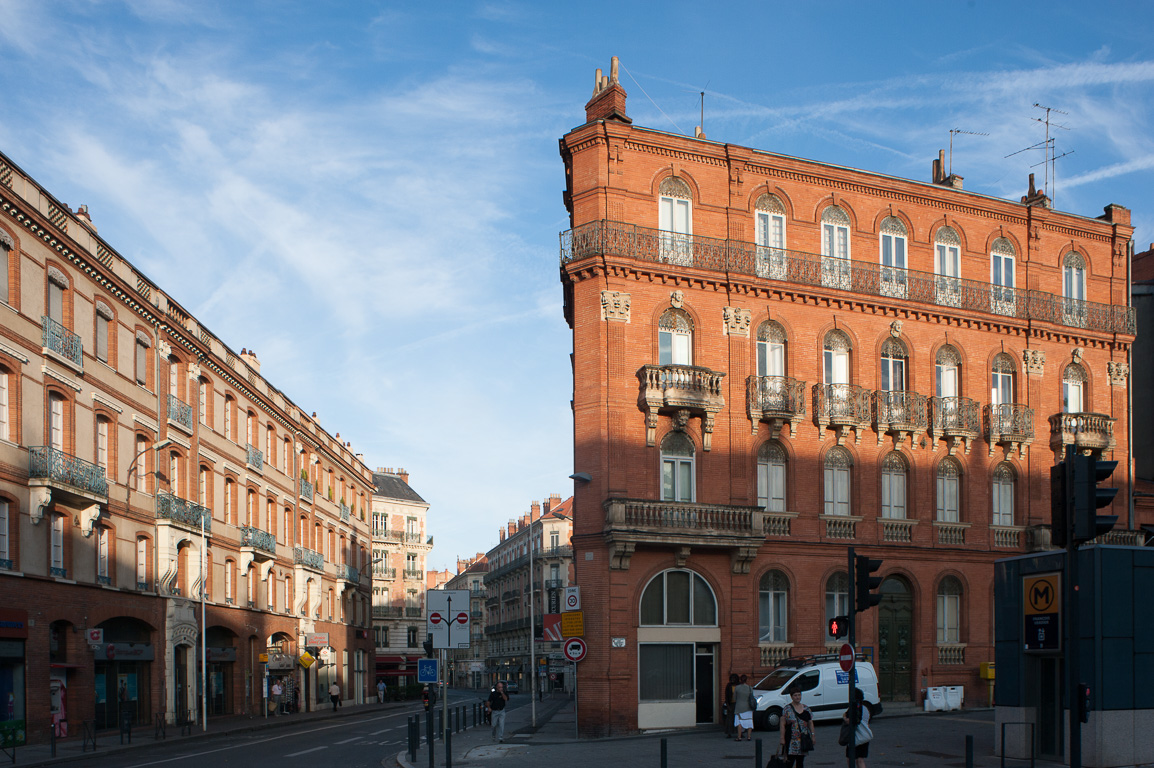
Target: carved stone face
x=677 y=298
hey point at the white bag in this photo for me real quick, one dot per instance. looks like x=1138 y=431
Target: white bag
x=863 y=734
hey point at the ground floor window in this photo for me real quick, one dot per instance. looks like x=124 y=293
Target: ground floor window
x=12 y=722
x=666 y=671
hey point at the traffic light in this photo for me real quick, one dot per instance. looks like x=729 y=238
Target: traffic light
x=428 y=646
x=866 y=584
x=1061 y=490
x=1083 y=702
x=1089 y=498
x=839 y=626
x=426 y=699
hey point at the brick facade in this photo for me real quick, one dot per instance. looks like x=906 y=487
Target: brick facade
x=624 y=269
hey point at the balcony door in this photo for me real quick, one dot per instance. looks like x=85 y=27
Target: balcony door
x=1002 y=296
x=893 y=258
x=835 y=265
x=948 y=268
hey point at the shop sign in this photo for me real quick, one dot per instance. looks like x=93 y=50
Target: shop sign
x=280 y=662
x=316 y=639
x=13 y=623
x=221 y=654
x=122 y=652
x=306 y=660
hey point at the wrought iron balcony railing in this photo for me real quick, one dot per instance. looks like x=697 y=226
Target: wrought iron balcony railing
x=613 y=238
x=777 y=400
x=344 y=511
x=555 y=553
x=900 y=412
x=841 y=406
x=1010 y=425
x=955 y=419
x=56 y=338
x=384 y=573
x=414 y=574
x=306 y=491
x=348 y=573
x=414 y=611
x=1085 y=431
x=308 y=558
x=253 y=457
x=680 y=387
x=182 y=511
x=179 y=412
x=554 y=583
x=388 y=611
x=58 y=467
x=257 y=539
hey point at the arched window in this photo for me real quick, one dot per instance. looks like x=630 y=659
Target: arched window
x=1002 y=257
x=1073 y=389
x=769 y=222
x=6 y=425
x=836 y=600
x=893 y=373
x=675 y=338
x=229 y=501
x=229 y=581
x=142 y=559
x=229 y=417
x=7 y=246
x=771 y=460
x=893 y=257
x=204 y=400
x=947 y=372
x=894 y=473
x=174 y=478
x=948 y=490
x=56 y=421
x=835 y=357
x=1002 y=380
x=677 y=470
x=252 y=514
x=204 y=487
x=949 y=611
x=835 y=267
x=675 y=220
x=838 y=464
x=773 y=608
x=770 y=349
x=1074 y=277
x=102 y=436
x=948 y=267
x=678 y=597
x=1003 y=495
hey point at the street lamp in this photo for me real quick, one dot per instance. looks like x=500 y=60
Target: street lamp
x=132 y=464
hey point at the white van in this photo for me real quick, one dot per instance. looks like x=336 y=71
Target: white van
x=824 y=689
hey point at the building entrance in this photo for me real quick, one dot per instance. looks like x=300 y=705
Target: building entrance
x=895 y=646
x=705 y=683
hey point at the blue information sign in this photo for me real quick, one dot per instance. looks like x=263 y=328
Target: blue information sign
x=427 y=670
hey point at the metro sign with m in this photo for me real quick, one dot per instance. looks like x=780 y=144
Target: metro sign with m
x=1042 y=613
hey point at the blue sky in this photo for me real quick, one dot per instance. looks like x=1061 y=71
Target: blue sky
x=368 y=194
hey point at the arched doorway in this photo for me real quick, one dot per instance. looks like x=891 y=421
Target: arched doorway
x=895 y=640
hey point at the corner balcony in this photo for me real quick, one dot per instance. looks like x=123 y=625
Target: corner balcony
x=619 y=240
x=1009 y=425
x=253 y=457
x=309 y=559
x=841 y=407
x=77 y=480
x=257 y=544
x=776 y=400
x=1087 y=432
x=688 y=390
x=61 y=342
x=901 y=414
x=956 y=420
x=182 y=512
x=682 y=527
x=180 y=414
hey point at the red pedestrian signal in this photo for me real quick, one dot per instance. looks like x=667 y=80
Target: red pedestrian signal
x=839 y=626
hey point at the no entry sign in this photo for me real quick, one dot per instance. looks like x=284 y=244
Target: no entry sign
x=846 y=657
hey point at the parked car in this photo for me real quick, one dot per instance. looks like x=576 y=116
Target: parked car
x=824 y=688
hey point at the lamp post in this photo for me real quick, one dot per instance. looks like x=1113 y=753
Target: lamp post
x=203 y=626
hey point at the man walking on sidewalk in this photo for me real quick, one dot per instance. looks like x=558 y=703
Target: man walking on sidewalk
x=495 y=706
x=335 y=695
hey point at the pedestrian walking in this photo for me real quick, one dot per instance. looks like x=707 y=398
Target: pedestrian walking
x=495 y=707
x=858 y=716
x=798 y=736
x=277 y=692
x=727 y=704
x=381 y=691
x=335 y=695
x=743 y=706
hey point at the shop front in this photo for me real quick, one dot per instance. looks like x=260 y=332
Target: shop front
x=13 y=634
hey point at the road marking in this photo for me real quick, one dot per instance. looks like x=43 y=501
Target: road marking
x=384 y=730
x=305 y=751
x=346 y=741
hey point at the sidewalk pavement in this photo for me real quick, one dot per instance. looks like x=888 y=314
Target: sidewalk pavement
x=108 y=742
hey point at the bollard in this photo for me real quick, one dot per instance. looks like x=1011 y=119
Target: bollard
x=429 y=737
x=969 y=750
x=52 y=738
x=448 y=749
x=664 y=753
x=757 y=753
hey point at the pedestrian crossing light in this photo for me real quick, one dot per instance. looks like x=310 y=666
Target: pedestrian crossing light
x=1089 y=498
x=839 y=626
x=865 y=583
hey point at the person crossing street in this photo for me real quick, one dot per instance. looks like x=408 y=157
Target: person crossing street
x=495 y=706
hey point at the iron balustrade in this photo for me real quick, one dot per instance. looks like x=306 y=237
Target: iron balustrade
x=388 y=612
x=344 y=512
x=954 y=415
x=554 y=583
x=1009 y=422
x=180 y=412
x=348 y=573
x=414 y=573
x=5 y=564
x=48 y=463
x=60 y=573
x=841 y=404
x=775 y=396
x=552 y=553
x=385 y=573
x=257 y=539
x=182 y=511
x=900 y=409
x=413 y=537
x=613 y=238
x=308 y=558
x=306 y=491
x=413 y=612
x=253 y=456
x=56 y=338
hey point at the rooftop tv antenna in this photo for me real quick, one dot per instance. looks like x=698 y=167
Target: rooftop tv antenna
x=956 y=131
x=1054 y=171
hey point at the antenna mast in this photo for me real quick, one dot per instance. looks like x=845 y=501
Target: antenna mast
x=955 y=131
x=1050 y=171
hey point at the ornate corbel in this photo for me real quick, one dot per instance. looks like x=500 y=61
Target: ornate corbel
x=40 y=497
x=619 y=554
x=681 y=556
x=88 y=517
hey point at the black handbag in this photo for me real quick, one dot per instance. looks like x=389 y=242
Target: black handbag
x=776 y=761
x=806 y=741
x=843 y=736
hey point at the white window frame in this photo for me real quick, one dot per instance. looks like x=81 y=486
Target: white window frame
x=56 y=301
x=678 y=477
x=102 y=536
x=56 y=421
x=174 y=473
x=769 y=232
x=1003 y=263
x=675 y=220
x=948 y=272
x=142 y=562
x=1073 y=400
x=102 y=443
x=949 y=615
x=771 y=478
x=100 y=334
x=56 y=544
x=4 y=522
x=893 y=373
x=894 y=490
x=5 y=410
x=835 y=249
x=837 y=487
x=948 y=492
x=228 y=581
x=1002 y=502
x=773 y=608
x=141 y=467
x=202 y=403
x=892 y=256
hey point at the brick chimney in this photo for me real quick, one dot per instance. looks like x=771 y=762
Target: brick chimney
x=608 y=101
x=249 y=357
x=535 y=512
x=403 y=474
x=502 y=534
x=1116 y=214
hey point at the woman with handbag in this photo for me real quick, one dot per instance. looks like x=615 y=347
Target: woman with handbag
x=727 y=704
x=798 y=736
x=858 y=717
x=743 y=706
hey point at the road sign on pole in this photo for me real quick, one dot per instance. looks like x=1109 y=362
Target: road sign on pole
x=575 y=649
x=572 y=599
x=846 y=657
x=448 y=620
x=427 y=671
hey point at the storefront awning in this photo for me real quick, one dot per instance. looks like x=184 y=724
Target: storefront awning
x=392 y=659
x=55 y=665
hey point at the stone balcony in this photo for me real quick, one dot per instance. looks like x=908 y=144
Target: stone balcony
x=1087 y=432
x=776 y=400
x=686 y=390
x=681 y=526
x=1009 y=425
x=841 y=407
x=954 y=419
x=899 y=413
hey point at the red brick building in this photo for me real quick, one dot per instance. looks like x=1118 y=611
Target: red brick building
x=775 y=358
